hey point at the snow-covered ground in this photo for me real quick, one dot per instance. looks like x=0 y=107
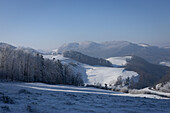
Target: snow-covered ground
x=119 y=61
x=94 y=75
x=106 y=75
x=153 y=91
x=165 y=63
x=43 y=98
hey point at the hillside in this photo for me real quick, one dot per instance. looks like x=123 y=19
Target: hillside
x=86 y=59
x=150 y=74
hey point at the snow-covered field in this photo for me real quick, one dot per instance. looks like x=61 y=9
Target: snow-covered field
x=119 y=61
x=165 y=63
x=106 y=75
x=98 y=74
x=43 y=98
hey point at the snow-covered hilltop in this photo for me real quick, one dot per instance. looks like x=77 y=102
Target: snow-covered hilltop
x=94 y=49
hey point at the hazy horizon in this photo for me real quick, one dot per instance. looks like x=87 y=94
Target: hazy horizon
x=42 y=24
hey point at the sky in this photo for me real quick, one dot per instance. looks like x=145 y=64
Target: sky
x=47 y=24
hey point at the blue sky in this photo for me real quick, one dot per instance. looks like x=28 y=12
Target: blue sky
x=47 y=24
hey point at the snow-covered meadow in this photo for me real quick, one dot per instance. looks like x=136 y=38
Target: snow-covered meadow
x=43 y=98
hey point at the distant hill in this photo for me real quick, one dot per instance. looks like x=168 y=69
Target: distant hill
x=86 y=59
x=4 y=46
x=150 y=74
x=152 y=54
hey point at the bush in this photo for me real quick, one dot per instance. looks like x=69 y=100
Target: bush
x=5 y=108
x=7 y=100
x=24 y=91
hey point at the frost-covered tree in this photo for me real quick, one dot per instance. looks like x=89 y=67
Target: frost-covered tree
x=18 y=64
x=164 y=87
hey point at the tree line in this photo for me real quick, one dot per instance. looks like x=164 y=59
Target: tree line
x=87 y=59
x=20 y=65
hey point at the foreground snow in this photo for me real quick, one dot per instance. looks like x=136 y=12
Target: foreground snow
x=43 y=98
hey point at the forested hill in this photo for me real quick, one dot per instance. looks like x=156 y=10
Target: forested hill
x=87 y=59
x=150 y=74
x=19 y=64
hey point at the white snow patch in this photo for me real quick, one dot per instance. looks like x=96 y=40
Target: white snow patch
x=156 y=91
x=47 y=56
x=55 y=50
x=143 y=45
x=165 y=63
x=120 y=61
x=106 y=75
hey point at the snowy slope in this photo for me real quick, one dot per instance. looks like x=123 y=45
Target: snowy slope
x=106 y=75
x=94 y=75
x=94 y=49
x=43 y=98
x=119 y=61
